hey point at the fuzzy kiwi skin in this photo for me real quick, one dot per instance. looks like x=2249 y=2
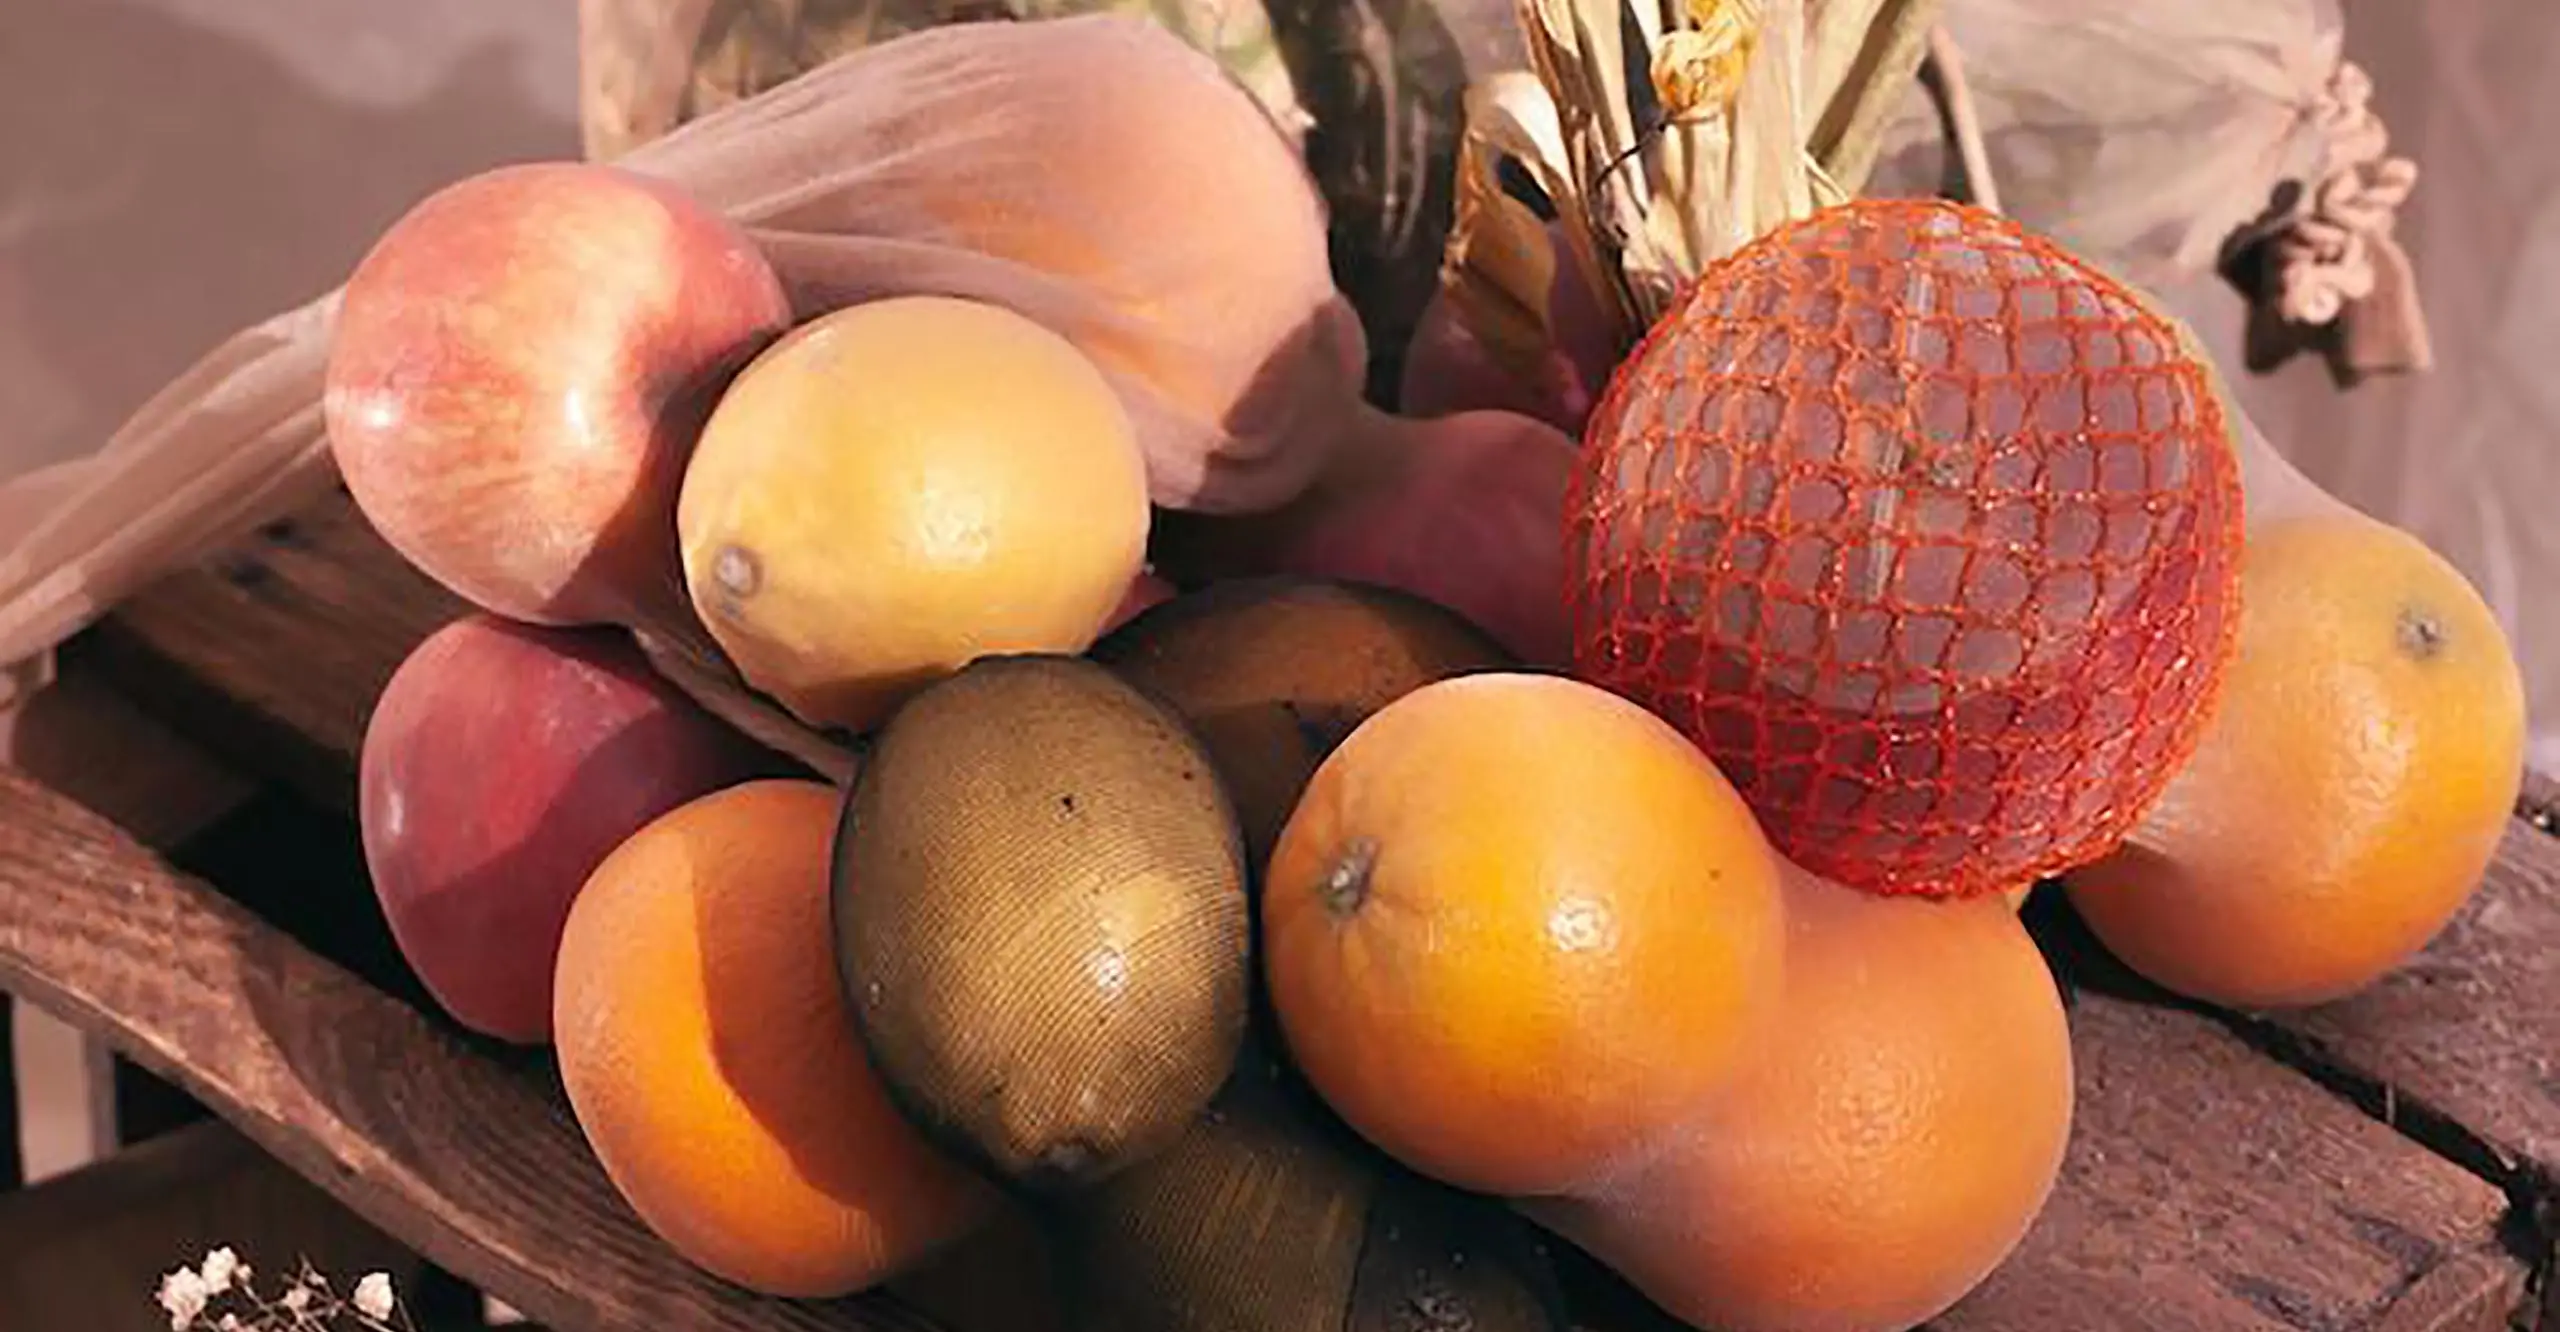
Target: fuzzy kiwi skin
x=1270 y=1216
x=1272 y=673
x=1041 y=923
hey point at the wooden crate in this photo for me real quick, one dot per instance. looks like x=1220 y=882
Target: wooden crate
x=2389 y=1164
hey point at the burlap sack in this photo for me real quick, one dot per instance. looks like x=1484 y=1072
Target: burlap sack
x=2183 y=137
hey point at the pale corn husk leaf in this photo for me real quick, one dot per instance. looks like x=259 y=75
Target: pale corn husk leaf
x=1862 y=56
x=1661 y=186
x=1500 y=264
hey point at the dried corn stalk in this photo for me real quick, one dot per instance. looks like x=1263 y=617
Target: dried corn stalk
x=1748 y=114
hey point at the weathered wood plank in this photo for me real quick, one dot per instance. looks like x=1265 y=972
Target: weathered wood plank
x=87 y=1249
x=2209 y=1187
x=85 y=740
x=2460 y=1048
x=272 y=655
x=473 y=1161
x=2470 y=1029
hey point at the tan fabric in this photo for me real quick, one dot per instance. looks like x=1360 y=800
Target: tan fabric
x=1370 y=94
x=2467 y=455
x=2147 y=135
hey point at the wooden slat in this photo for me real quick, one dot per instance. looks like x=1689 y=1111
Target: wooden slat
x=86 y=1249
x=89 y=742
x=475 y=1163
x=272 y=656
x=2461 y=1047
x=2209 y=1187
x=2470 y=1030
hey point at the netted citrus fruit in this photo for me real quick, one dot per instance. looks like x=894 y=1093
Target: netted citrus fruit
x=1927 y=531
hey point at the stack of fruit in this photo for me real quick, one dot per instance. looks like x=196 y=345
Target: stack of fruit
x=1279 y=946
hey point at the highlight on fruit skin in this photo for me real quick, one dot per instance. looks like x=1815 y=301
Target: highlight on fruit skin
x=896 y=488
x=1040 y=920
x=518 y=371
x=711 y=1064
x=2349 y=794
x=1517 y=929
x=501 y=764
x=1888 y=1144
x=1927 y=531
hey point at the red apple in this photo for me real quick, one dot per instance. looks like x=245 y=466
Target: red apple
x=1466 y=511
x=1447 y=370
x=502 y=764
x=519 y=370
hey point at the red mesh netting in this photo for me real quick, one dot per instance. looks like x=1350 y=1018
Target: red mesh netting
x=1927 y=532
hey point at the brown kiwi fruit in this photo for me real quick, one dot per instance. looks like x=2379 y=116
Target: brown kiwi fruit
x=1272 y=673
x=1041 y=921
x=1270 y=1216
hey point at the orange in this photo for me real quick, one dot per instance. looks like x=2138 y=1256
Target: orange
x=1888 y=1144
x=712 y=1065
x=1516 y=928
x=2350 y=790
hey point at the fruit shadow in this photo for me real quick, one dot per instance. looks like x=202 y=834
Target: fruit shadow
x=2081 y=965
x=773 y=1008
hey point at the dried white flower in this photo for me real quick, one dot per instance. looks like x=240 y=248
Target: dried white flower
x=182 y=1296
x=295 y=1299
x=220 y=1268
x=373 y=1296
x=229 y=1323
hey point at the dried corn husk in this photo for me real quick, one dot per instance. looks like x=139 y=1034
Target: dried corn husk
x=1755 y=112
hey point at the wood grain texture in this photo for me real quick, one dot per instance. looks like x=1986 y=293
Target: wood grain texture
x=472 y=1160
x=2460 y=1047
x=86 y=1250
x=2208 y=1187
x=2470 y=1028
x=272 y=655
